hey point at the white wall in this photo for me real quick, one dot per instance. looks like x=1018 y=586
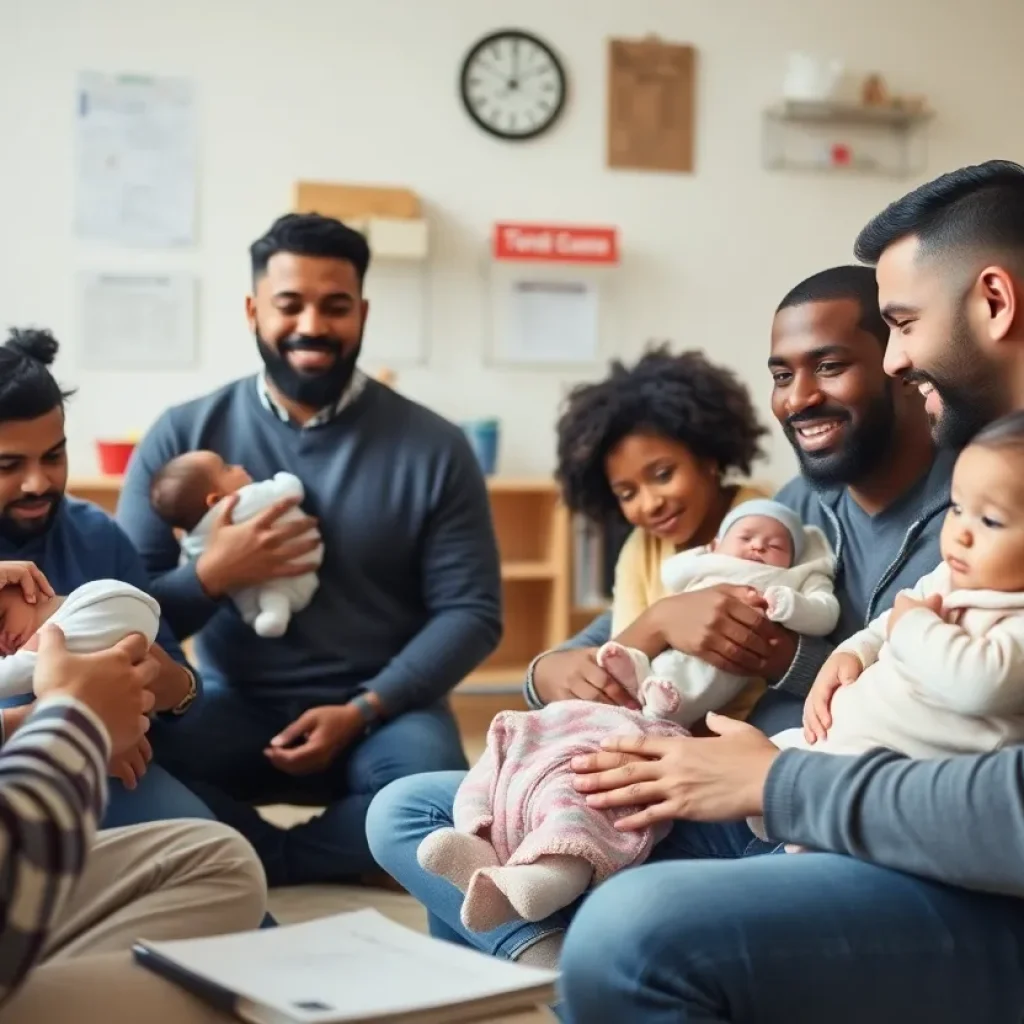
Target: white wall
x=365 y=92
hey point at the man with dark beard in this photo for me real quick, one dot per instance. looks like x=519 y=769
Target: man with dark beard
x=871 y=478
x=354 y=695
x=74 y=543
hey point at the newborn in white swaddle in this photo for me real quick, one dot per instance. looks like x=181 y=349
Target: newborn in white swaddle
x=93 y=617
x=188 y=494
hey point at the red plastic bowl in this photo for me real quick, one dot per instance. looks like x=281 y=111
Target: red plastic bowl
x=114 y=456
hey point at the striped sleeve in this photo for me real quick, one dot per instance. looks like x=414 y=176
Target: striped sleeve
x=53 y=791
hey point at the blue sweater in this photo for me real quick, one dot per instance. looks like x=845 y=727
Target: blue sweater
x=85 y=544
x=410 y=589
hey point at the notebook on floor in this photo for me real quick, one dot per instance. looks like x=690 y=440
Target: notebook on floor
x=346 y=969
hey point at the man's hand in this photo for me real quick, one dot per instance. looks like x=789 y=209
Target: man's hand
x=318 y=736
x=27 y=576
x=245 y=554
x=171 y=683
x=576 y=675
x=131 y=765
x=841 y=669
x=714 y=779
x=13 y=717
x=114 y=683
x=725 y=626
x=905 y=603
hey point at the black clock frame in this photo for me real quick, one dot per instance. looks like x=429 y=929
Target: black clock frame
x=526 y=37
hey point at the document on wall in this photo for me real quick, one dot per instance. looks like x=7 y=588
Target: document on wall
x=136 y=160
x=550 y=323
x=137 y=321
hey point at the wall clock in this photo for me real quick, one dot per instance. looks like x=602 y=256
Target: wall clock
x=513 y=85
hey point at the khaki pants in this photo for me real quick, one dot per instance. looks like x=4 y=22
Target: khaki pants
x=168 y=880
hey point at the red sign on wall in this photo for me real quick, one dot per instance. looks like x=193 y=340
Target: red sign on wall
x=558 y=243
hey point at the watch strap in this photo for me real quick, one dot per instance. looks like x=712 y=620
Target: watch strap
x=367 y=711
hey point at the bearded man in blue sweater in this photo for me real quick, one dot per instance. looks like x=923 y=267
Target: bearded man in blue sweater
x=354 y=695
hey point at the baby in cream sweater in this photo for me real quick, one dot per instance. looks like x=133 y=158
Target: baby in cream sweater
x=942 y=673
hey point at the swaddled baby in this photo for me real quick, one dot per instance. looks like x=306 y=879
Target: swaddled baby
x=93 y=617
x=525 y=842
x=187 y=494
x=762 y=545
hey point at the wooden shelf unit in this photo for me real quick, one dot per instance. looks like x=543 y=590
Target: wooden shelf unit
x=532 y=527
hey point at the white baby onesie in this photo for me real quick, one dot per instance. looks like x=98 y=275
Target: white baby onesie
x=93 y=617
x=268 y=607
x=681 y=687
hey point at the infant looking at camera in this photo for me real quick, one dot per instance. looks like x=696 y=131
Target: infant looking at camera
x=93 y=617
x=188 y=494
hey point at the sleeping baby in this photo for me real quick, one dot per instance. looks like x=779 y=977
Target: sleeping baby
x=763 y=545
x=525 y=843
x=187 y=493
x=93 y=617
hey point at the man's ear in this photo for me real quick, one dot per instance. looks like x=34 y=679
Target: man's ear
x=250 y=311
x=997 y=289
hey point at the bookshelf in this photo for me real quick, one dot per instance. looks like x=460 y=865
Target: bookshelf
x=532 y=528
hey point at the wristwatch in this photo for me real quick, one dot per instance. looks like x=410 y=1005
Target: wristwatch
x=186 y=702
x=367 y=711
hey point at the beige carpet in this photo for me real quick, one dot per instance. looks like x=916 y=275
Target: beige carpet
x=307 y=902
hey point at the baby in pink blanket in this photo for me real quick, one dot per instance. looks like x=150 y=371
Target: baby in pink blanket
x=525 y=844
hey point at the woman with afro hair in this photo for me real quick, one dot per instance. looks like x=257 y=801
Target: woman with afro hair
x=664 y=443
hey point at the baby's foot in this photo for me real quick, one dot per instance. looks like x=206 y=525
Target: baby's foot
x=621 y=664
x=456 y=856
x=659 y=696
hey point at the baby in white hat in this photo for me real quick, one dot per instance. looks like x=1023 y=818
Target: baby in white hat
x=763 y=545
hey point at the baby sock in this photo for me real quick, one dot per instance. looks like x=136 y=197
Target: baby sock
x=626 y=666
x=455 y=856
x=532 y=892
x=659 y=697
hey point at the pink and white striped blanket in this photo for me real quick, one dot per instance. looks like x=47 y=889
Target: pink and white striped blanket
x=520 y=794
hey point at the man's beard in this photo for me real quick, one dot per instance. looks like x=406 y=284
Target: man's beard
x=20 y=531
x=313 y=388
x=860 y=451
x=975 y=400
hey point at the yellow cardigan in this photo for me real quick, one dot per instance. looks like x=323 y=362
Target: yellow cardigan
x=638 y=585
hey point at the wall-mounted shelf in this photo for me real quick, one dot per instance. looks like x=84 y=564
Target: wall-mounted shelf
x=885 y=139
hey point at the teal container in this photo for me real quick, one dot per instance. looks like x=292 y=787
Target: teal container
x=483 y=436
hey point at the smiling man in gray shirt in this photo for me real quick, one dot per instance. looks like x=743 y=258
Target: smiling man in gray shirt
x=921 y=919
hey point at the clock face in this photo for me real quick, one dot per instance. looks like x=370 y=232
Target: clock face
x=513 y=85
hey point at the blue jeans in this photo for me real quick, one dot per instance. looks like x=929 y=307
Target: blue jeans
x=217 y=750
x=409 y=810
x=706 y=933
x=159 y=796
x=799 y=939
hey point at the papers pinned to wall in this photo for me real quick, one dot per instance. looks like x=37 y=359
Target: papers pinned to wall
x=136 y=160
x=553 y=322
x=137 y=321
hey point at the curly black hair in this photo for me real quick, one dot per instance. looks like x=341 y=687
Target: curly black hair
x=681 y=397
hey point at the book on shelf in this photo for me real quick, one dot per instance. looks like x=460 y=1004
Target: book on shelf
x=349 y=969
x=588 y=585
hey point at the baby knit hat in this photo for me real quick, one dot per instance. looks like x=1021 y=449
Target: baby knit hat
x=772 y=510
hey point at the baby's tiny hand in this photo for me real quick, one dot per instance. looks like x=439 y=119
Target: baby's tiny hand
x=905 y=603
x=778 y=603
